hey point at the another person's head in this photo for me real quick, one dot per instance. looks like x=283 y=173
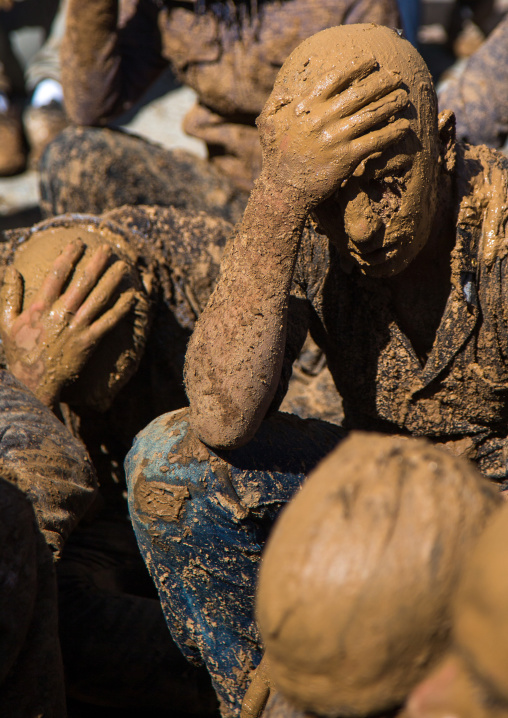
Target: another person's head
x=382 y=217
x=472 y=681
x=115 y=359
x=357 y=577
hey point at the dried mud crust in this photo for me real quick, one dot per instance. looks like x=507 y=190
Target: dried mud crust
x=53 y=469
x=94 y=170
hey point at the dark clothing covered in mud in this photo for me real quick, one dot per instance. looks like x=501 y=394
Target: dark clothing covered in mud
x=47 y=483
x=31 y=672
x=229 y=53
x=460 y=394
x=90 y=170
x=478 y=92
x=53 y=468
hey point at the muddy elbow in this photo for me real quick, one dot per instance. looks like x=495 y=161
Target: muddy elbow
x=222 y=432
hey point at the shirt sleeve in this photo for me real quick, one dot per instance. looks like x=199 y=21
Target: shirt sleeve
x=51 y=467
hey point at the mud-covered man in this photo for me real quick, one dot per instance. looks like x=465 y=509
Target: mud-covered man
x=373 y=228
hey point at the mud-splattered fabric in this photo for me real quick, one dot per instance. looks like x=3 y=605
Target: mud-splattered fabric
x=477 y=92
x=52 y=468
x=460 y=394
x=115 y=645
x=47 y=483
x=201 y=519
x=95 y=170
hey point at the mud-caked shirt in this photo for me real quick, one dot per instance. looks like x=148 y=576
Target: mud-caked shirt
x=459 y=395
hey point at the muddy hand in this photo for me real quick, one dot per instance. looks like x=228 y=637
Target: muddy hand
x=258 y=692
x=47 y=344
x=315 y=141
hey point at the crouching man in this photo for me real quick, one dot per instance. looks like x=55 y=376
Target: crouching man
x=372 y=227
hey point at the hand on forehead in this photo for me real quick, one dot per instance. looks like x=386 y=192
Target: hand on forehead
x=356 y=61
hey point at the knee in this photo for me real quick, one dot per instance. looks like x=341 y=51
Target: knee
x=166 y=471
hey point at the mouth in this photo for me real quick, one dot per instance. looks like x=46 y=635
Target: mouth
x=372 y=254
x=375 y=257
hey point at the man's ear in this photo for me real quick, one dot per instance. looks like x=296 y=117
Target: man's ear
x=446 y=132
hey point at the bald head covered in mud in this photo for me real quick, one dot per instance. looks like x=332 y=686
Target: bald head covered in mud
x=71 y=284
x=357 y=578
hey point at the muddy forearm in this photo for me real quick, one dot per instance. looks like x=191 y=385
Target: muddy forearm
x=108 y=61
x=90 y=60
x=235 y=355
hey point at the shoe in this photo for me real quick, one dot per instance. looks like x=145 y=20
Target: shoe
x=42 y=125
x=12 y=144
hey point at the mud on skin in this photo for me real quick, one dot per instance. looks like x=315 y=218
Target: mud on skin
x=407 y=352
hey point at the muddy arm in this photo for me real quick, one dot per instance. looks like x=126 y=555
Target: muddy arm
x=311 y=144
x=107 y=67
x=235 y=355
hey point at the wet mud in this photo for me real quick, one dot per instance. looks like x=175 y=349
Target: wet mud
x=479 y=625
x=117 y=357
x=471 y=680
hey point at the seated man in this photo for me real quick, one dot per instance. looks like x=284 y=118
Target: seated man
x=371 y=226
x=86 y=310
x=472 y=680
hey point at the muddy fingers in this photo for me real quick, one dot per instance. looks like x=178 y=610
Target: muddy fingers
x=371 y=116
x=337 y=80
x=52 y=286
x=81 y=285
x=11 y=298
x=101 y=295
x=111 y=318
x=379 y=140
x=362 y=95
